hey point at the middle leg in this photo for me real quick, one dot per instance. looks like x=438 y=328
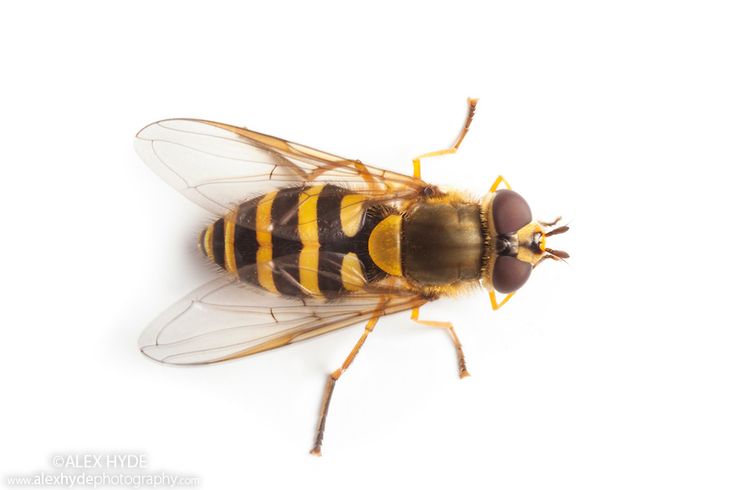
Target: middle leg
x=468 y=119
x=455 y=340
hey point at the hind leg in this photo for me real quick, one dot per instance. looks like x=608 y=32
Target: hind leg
x=332 y=379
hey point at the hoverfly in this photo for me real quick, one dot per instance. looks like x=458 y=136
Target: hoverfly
x=310 y=242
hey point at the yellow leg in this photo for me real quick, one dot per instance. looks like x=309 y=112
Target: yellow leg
x=468 y=119
x=498 y=181
x=494 y=304
x=332 y=379
x=455 y=340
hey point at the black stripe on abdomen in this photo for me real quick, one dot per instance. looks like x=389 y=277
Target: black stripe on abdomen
x=332 y=239
x=329 y=206
x=330 y=278
x=286 y=242
x=246 y=245
x=218 y=242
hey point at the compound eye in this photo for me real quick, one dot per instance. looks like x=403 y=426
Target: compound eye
x=510 y=273
x=510 y=212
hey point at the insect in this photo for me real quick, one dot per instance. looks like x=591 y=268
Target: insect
x=310 y=242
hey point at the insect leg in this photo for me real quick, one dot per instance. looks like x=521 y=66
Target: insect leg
x=495 y=304
x=498 y=181
x=455 y=340
x=468 y=119
x=332 y=379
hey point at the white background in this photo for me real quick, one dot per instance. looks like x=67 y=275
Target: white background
x=615 y=371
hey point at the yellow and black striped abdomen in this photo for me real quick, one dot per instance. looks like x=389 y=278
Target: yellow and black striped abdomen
x=298 y=241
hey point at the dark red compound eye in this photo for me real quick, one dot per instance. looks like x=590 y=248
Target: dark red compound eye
x=510 y=212
x=510 y=273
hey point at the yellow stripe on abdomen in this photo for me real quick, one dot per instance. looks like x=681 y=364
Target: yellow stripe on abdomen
x=208 y=242
x=264 y=256
x=230 y=265
x=351 y=273
x=308 y=229
x=351 y=213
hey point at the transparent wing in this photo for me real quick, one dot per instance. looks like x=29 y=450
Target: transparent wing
x=217 y=165
x=227 y=319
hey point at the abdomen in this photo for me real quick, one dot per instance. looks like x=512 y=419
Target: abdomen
x=297 y=241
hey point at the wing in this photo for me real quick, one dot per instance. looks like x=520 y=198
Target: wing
x=227 y=319
x=217 y=165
